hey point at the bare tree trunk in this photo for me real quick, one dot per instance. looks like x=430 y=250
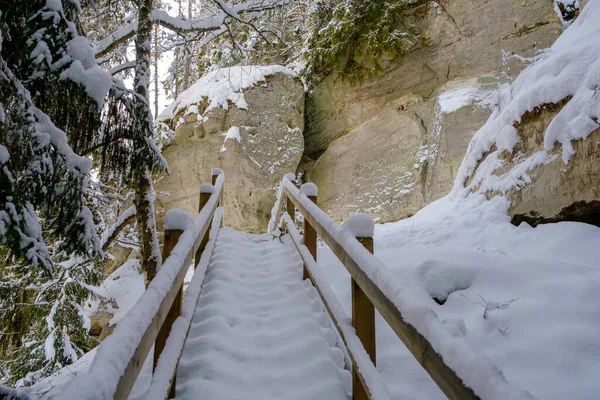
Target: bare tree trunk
x=144 y=196
x=155 y=71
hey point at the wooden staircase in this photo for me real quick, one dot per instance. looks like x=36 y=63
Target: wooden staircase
x=175 y=324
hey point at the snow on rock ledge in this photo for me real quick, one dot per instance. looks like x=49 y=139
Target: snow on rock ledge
x=555 y=100
x=220 y=87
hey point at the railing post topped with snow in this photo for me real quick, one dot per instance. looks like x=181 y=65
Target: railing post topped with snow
x=207 y=188
x=310 y=190
x=290 y=177
x=363 y=312
x=360 y=225
x=176 y=221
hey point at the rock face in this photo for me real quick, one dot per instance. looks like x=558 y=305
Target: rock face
x=540 y=146
x=559 y=192
x=255 y=147
x=556 y=191
x=394 y=144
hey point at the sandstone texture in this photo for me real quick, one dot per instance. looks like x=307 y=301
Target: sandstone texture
x=557 y=191
x=255 y=147
x=394 y=144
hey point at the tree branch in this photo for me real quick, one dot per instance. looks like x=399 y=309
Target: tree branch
x=233 y=14
x=122 y=67
x=116 y=38
x=182 y=26
x=111 y=233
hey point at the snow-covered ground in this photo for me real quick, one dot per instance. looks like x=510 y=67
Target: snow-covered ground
x=527 y=297
x=124 y=286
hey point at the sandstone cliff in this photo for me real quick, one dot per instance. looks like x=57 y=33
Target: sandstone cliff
x=395 y=143
x=247 y=121
x=540 y=147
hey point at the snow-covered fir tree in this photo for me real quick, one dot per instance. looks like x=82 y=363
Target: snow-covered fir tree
x=349 y=37
x=54 y=124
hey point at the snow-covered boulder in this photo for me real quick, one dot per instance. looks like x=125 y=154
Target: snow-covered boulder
x=247 y=121
x=540 y=146
x=395 y=143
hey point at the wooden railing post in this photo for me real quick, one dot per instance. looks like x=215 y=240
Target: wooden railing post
x=291 y=208
x=205 y=192
x=310 y=235
x=171 y=238
x=215 y=174
x=363 y=311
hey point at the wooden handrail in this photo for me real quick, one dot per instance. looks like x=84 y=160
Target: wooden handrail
x=163 y=380
x=278 y=207
x=120 y=356
x=364 y=268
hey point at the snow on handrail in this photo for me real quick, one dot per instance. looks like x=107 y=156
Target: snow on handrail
x=115 y=354
x=476 y=370
x=276 y=210
x=169 y=358
x=368 y=372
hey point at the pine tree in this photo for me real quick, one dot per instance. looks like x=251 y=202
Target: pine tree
x=41 y=182
x=349 y=37
x=48 y=237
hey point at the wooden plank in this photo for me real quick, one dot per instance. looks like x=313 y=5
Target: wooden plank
x=136 y=362
x=171 y=239
x=310 y=237
x=204 y=197
x=452 y=386
x=214 y=182
x=291 y=208
x=363 y=320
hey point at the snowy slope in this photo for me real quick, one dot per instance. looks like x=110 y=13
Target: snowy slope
x=540 y=284
x=125 y=286
x=259 y=332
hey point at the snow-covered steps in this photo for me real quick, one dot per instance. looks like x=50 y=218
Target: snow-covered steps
x=259 y=332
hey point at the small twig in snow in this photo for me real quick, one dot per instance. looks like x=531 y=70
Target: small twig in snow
x=490 y=306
